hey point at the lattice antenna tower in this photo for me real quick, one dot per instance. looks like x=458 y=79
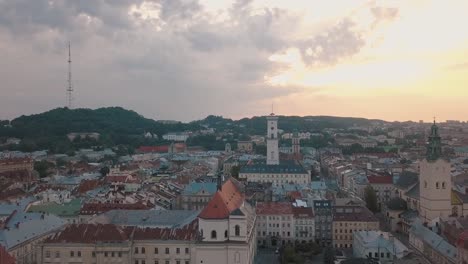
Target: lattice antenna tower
x=70 y=86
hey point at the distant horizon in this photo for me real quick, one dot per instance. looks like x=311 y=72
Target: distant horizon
x=237 y=119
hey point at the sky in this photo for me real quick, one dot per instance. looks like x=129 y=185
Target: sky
x=187 y=59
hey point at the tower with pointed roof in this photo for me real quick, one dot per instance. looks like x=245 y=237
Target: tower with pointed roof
x=435 y=185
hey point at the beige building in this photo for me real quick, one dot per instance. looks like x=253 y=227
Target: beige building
x=275 y=224
x=275 y=174
x=16 y=164
x=435 y=184
x=349 y=219
x=304 y=224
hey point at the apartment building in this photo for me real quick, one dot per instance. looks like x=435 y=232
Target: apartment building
x=304 y=223
x=275 y=225
x=349 y=219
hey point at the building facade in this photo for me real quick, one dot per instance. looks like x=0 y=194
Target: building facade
x=323 y=212
x=304 y=224
x=350 y=219
x=275 y=224
x=272 y=140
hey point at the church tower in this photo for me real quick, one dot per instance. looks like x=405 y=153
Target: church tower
x=296 y=144
x=272 y=140
x=435 y=185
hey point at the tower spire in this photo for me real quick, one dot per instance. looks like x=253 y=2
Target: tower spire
x=70 y=87
x=434 y=148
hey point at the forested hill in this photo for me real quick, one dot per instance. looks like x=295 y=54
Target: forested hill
x=111 y=120
x=118 y=126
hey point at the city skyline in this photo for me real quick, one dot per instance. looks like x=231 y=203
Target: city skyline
x=184 y=60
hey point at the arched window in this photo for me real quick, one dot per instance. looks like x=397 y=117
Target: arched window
x=437 y=185
x=213 y=234
x=237 y=230
x=443 y=185
x=143 y=250
x=425 y=184
x=225 y=234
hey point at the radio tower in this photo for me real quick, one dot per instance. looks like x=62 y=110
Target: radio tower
x=70 y=87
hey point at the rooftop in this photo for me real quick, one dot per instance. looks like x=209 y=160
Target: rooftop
x=274 y=208
x=353 y=214
x=147 y=218
x=379 y=239
x=380 y=179
x=63 y=210
x=197 y=187
x=223 y=202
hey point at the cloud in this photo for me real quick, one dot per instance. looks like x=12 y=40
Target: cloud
x=163 y=58
x=457 y=66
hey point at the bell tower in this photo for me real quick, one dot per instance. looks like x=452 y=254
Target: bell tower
x=272 y=140
x=435 y=185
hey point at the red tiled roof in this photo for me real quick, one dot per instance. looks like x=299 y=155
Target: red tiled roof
x=188 y=232
x=353 y=214
x=97 y=208
x=463 y=240
x=380 y=179
x=89 y=233
x=150 y=149
x=6 y=258
x=295 y=195
x=303 y=212
x=88 y=185
x=223 y=202
x=274 y=208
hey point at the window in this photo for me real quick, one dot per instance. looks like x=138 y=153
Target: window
x=120 y=254
x=156 y=262
x=187 y=262
x=156 y=251
x=136 y=250
x=167 y=262
x=136 y=262
x=388 y=255
x=143 y=262
x=382 y=254
x=443 y=185
x=425 y=184
x=72 y=253
x=437 y=185
x=226 y=234
x=376 y=255
x=57 y=254
x=186 y=250
x=178 y=250
x=213 y=234
x=105 y=254
x=112 y=254
x=47 y=254
x=237 y=230
x=93 y=254
x=79 y=253
x=177 y=261
x=167 y=250
x=143 y=250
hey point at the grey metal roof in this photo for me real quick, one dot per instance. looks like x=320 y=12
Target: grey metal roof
x=414 y=192
x=148 y=218
x=30 y=225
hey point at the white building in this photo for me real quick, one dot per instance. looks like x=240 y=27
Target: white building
x=377 y=244
x=176 y=136
x=304 y=224
x=227 y=226
x=272 y=140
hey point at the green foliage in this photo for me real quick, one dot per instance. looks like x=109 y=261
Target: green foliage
x=371 y=199
x=43 y=168
x=328 y=255
x=104 y=171
x=235 y=171
x=208 y=142
x=261 y=149
x=291 y=257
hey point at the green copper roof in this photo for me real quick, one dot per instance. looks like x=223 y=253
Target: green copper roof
x=434 y=148
x=62 y=210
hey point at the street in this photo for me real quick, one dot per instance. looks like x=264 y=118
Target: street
x=266 y=256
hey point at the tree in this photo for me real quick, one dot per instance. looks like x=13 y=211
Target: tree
x=371 y=198
x=43 y=168
x=329 y=255
x=235 y=171
x=104 y=171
